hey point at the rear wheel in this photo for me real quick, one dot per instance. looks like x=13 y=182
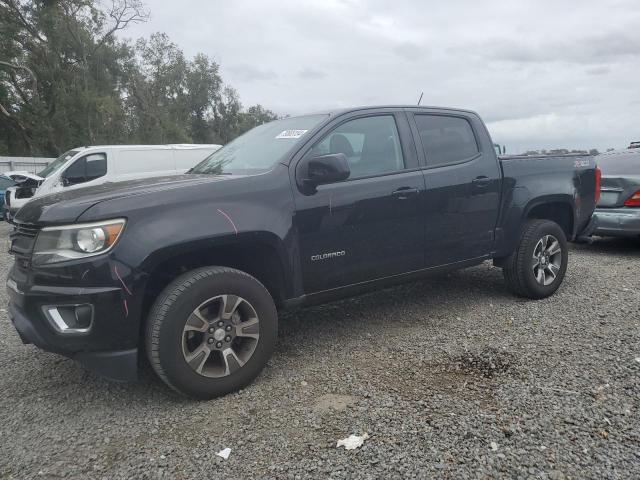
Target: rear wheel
x=538 y=265
x=211 y=332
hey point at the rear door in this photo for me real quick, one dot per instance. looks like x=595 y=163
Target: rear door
x=369 y=226
x=462 y=178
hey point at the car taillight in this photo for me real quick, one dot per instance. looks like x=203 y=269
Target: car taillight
x=633 y=200
x=598 y=183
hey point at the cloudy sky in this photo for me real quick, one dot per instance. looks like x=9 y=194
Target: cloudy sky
x=542 y=73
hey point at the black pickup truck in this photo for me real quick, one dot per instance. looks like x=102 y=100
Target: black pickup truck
x=192 y=269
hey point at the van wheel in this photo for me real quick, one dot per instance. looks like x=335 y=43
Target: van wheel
x=211 y=332
x=538 y=265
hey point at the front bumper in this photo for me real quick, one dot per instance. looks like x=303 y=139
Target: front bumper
x=109 y=347
x=617 y=222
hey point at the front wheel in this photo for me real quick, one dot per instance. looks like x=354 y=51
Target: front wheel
x=211 y=332
x=538 y=265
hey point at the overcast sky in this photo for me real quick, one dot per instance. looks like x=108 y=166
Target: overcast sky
x=542 y=73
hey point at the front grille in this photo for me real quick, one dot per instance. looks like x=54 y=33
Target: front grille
x=25 y=229
x=23 y=239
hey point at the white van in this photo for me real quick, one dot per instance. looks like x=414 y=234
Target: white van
x=89 y=166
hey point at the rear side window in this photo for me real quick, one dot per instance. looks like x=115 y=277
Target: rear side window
x=445 y=139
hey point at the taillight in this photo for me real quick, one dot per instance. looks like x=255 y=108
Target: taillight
x=633 y=200
x=598 y=183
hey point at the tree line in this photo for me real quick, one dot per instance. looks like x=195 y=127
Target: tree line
x=67 y=79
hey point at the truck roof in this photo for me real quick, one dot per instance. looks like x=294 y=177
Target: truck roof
x=340 y=111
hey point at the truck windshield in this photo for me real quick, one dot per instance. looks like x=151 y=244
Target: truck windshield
x=258 y=150
x=57 y=163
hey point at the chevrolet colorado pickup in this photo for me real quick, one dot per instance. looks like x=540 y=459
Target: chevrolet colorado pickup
x=192 y=269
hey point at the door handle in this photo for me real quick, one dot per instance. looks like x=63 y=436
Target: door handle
x=481 y=182
x=404 y=193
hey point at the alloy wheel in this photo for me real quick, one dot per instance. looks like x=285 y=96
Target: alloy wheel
x=547 y=260
x=220 y=336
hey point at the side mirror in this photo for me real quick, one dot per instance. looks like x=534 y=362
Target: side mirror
x=66 y=181
x=323 y=169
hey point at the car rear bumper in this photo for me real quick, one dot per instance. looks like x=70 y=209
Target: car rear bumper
x=617 y=222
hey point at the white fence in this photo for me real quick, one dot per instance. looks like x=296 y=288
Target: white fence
x=27 y=164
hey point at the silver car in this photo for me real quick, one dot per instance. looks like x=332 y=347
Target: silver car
x=618 y=211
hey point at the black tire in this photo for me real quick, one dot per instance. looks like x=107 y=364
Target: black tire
x=168 y=317
x=518 y=269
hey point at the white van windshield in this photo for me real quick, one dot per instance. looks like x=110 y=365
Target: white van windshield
x=258 y=150
x=57 y=163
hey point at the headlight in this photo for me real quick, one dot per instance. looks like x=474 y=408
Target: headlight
x=57 y=244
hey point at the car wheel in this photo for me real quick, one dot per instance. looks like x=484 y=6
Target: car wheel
x=211 y=332
x=538 y=265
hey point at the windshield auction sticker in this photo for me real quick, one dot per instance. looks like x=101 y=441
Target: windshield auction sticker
x=292 y=134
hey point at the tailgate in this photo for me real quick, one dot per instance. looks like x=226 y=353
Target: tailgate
x=614 y=191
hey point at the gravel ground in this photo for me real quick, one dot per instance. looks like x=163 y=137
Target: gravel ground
x=450 y=378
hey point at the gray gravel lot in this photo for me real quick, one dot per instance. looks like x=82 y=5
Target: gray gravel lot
x=451 y=377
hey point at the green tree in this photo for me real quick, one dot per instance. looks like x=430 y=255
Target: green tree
x=66 y=80
x=60 y=68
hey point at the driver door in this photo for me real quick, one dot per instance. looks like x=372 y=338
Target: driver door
x=371 y=225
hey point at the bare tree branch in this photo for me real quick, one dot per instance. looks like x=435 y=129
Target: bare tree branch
x=123 y=12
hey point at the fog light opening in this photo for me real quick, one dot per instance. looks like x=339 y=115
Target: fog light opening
x=70 y=318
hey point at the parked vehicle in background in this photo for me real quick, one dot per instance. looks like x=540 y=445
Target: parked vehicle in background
x=5 y=182
x=295 y=212
x=90 y=166
x=13 y=180
x=634 y=145
x=618 y=211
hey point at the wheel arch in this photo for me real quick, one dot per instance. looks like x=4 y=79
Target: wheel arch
x=557 y=208
x=260 y=254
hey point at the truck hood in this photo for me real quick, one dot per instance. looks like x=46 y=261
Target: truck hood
x=66 y=207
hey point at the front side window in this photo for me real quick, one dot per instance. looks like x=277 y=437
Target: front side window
x=446 y=140
x=85 y=169
x=371 y=145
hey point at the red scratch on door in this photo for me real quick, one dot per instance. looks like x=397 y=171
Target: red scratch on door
x=115 y=269
x=230 y=221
